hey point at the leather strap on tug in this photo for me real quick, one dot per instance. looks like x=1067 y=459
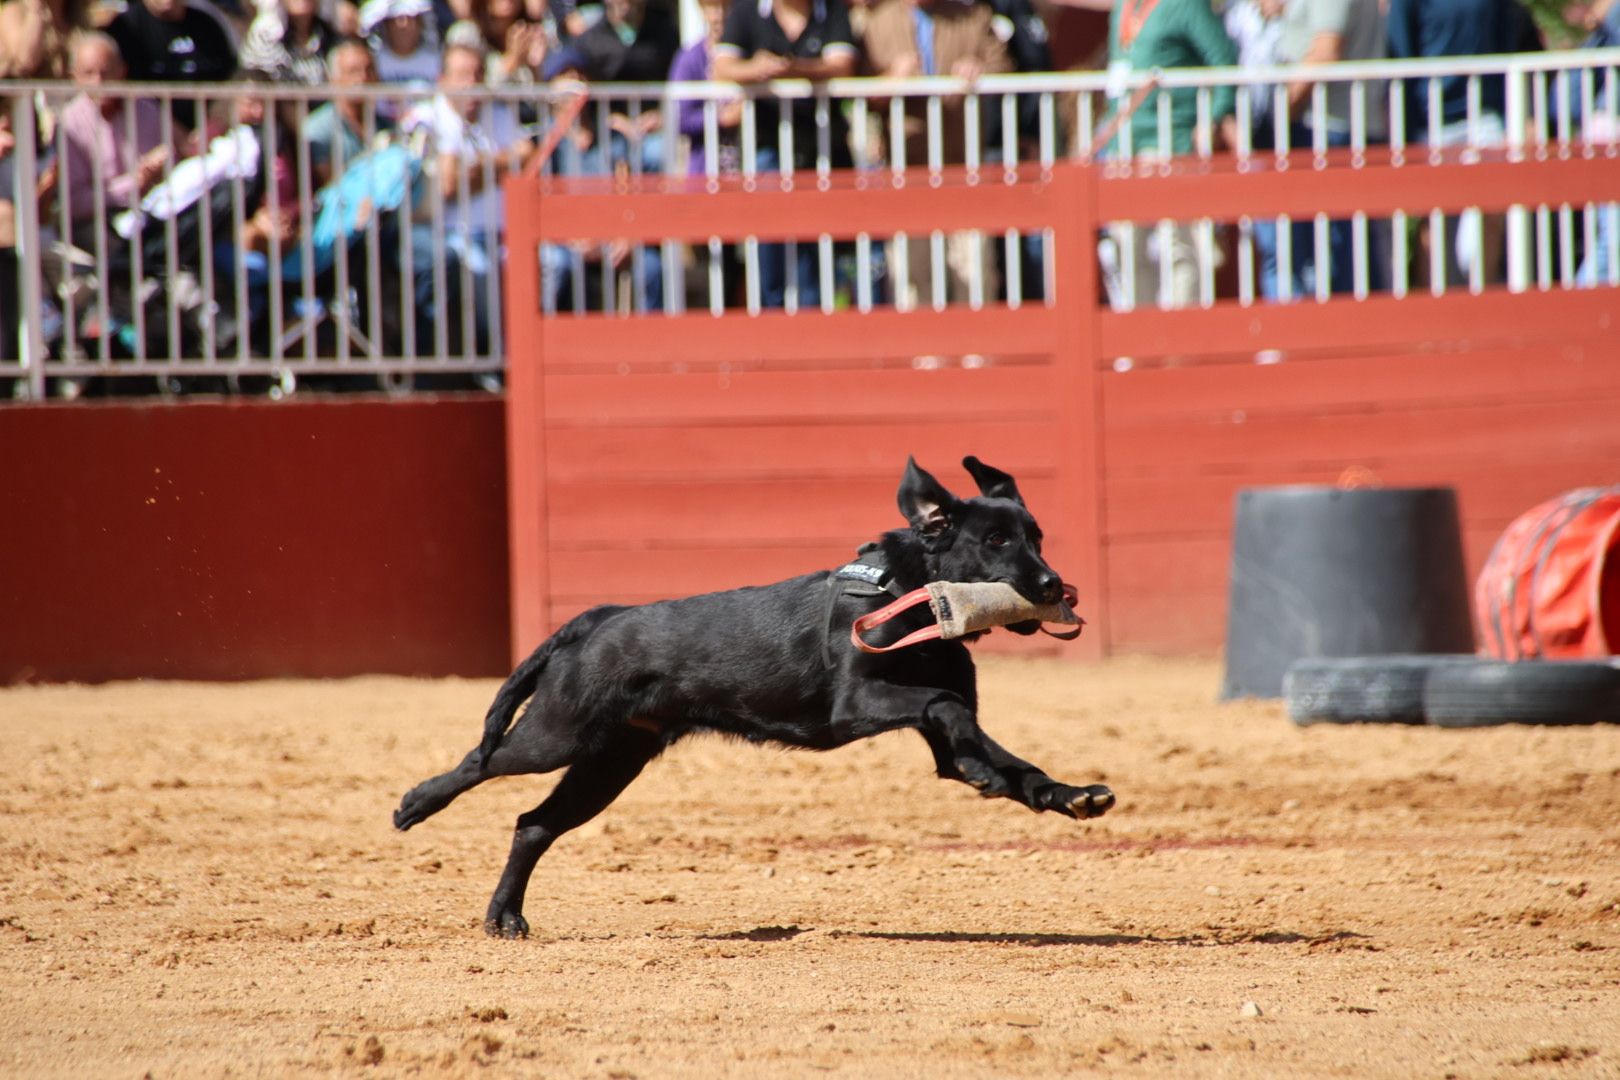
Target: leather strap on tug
x=962 y=608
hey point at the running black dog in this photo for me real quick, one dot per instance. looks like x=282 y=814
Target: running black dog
x=616 y=685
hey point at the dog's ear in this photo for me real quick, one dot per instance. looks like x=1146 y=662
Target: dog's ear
x=993 y=483
x=924 y=501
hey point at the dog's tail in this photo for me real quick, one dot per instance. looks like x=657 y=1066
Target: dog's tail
x=521 y=684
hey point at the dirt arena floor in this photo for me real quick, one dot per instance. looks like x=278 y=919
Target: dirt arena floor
x=202 y=880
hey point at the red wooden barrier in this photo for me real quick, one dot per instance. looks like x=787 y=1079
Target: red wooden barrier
x=655 y=456
x=237 y=539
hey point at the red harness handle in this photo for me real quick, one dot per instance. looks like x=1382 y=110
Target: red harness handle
x=887 y=612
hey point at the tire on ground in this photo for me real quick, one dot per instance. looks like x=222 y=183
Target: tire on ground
x=1490 y=692
x=1362 y=689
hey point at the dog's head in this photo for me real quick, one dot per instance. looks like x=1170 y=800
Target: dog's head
x=991 y=537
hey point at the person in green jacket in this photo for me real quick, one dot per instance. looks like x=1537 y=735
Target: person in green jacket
x=1145 y=35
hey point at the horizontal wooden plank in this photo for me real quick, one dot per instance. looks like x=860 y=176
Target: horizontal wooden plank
x=1378 y=190
x=1379 y=323
x=843 y=205
x=834 y=448
x=584 y=575
x=1490 y=494
x=629 y=342
x=804 y=513
x=1496 y=433
x=803 y=397
x=1360 y=383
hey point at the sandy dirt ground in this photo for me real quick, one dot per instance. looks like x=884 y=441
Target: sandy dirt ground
x=201 y=880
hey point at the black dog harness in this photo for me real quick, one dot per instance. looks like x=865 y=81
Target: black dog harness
x=866 y=577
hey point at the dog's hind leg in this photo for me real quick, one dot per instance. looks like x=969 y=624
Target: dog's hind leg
x=432 y=795
x=539 y=743
x=584 y=791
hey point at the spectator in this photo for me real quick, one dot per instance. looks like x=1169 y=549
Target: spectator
x=567 y=280
x=1437 y=28
x=906 y=38
x=467 y=137
x=635 y=41
x=1255 y=27
x=1020 y=24
x=764 y=40
x=695 y=63
x=336 y=132
x=1325 y=32
x=1145 y=35
x=1601 y=20
x=172 y=41
x=290 y=42
x=97 y=135
x=273 y=219
x=515 y=46
x=35 y=37
x=403 y=41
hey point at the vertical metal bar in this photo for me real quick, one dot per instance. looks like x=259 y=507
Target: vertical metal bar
x=1543 y=248
x=1047 y=119
x=1009 y=135
x=860 y=122
x=239 y=290
x=936 y=152
x=1438 y=249
x=206 y=257
x=171 y=252
x=495 y=205
x=374 y=322
x=785 y=166
x=1083 y=120
x=31 y=343
x=436 y=218
x=272 y=197
x=1014 y=285
x=936 y=270
x=307 y=314
x=970 y=118
x=1245 y=259
x=135 y=269
x=863 y=272
x=1518 y=217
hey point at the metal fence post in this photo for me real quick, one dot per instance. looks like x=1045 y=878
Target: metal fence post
x=29 y=256
x=1518 y=217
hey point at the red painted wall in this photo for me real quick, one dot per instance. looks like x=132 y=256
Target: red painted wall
x=234 y=539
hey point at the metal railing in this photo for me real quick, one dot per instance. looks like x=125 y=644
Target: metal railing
x=389 y=276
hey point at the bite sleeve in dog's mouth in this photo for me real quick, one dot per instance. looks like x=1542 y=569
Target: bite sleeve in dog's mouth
x=966 y=607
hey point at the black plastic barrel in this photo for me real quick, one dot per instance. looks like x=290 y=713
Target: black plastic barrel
x=1325 y=571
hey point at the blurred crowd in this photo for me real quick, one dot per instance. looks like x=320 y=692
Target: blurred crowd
x=110 y=166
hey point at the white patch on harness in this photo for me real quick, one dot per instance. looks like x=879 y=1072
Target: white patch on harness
x=872 y=575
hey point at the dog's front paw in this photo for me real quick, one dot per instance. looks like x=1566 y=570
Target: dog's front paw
x=1093 y=800
x=506 y=924
x=988 y=781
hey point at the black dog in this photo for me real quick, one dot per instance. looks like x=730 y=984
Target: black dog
x=616 y=685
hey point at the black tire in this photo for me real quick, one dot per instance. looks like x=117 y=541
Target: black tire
x=1490 y=692
x=1362 y=689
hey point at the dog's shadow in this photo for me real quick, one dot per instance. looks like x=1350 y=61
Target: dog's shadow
x=1342 y=938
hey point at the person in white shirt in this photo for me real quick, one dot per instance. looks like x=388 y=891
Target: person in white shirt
x=471 y=144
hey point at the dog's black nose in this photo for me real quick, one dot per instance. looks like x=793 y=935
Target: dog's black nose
x=1051 y=587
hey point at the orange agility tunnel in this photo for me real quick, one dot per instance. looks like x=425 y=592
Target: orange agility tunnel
x=1551 y=586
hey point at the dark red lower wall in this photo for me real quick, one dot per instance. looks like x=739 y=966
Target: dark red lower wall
x=237 y=539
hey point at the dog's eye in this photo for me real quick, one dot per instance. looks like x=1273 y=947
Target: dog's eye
x=996 y=539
